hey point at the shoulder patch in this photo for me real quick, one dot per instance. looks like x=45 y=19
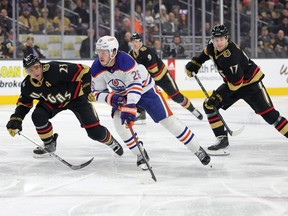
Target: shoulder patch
x=143 y=48
x=226 y=53
x=45 y=67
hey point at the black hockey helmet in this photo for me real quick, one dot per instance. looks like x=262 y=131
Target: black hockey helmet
x=30 y=60
x=219 y=31
x=136 y=36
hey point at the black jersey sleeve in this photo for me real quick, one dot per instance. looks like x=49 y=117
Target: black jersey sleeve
x=86 y=82
x=151 y=60
x=203 y=57
x=24 y=102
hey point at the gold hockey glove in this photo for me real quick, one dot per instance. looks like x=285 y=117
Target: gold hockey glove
x=91 y=97
x=14 y=125
x=214 y=100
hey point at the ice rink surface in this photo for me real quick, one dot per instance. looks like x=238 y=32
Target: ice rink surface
x=251 y=181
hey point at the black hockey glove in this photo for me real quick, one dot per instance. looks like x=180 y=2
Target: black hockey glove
x=214 y=100
x=191 y=67
x=14 y=125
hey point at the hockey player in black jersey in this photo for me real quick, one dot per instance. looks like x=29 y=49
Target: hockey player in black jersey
x=58 y=86
x=159 y=72
x=242 y=80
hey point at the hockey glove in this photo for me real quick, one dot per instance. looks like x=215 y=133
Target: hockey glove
x=128 y=114
x=91 y=97
x=87 y=91
x=114 y=100
x=191 y=67
x=14 y=125
x=214 y=100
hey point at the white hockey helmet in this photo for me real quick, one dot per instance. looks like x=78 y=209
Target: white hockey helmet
x=107 y=43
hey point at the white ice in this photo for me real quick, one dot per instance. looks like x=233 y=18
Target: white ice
x=252 y=181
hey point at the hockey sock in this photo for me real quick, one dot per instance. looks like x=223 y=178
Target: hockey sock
x=45 y=132
x=181 y=132
x=282 y=126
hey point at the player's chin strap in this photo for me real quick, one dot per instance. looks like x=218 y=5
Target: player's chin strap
x=232 y=133
x=74 y=167
x=110 y=61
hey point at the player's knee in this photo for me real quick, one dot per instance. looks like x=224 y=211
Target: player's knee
x=97 y=133
x=173 y=125
x=38 y=118
x=271 y=117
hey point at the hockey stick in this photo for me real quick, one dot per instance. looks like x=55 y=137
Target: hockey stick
x=74 y=167
x=232 y=133
x=142 y=153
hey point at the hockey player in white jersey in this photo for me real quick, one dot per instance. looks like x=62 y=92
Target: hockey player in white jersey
x=119 y=81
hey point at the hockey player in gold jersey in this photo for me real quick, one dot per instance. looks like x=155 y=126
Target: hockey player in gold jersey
x=58 y=86
x=242 y=80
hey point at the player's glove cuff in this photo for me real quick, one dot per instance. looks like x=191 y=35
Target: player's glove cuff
x=114 y=100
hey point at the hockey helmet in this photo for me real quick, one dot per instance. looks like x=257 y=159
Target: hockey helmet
x=107 y=43
x=136 y=36
x=219 y=31
x=30 y=60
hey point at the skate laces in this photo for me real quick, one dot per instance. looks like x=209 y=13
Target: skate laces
x=200 y=154
x=140 y=158
x=51 y=147
x=115 y=146
x=220 y=139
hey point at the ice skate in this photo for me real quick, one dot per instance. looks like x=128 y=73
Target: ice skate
x=140 y=159
x=49 y=147
x=116 y=147
x=220 y=148
x=197 y=114
x=203 y=156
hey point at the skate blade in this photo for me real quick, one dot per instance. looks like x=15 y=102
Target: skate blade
x=209 y=165
x=220 y=152
x=144 y=167
x=42 y=155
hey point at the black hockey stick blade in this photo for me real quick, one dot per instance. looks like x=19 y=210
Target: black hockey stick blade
x=236 y=132
x=74 y=167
